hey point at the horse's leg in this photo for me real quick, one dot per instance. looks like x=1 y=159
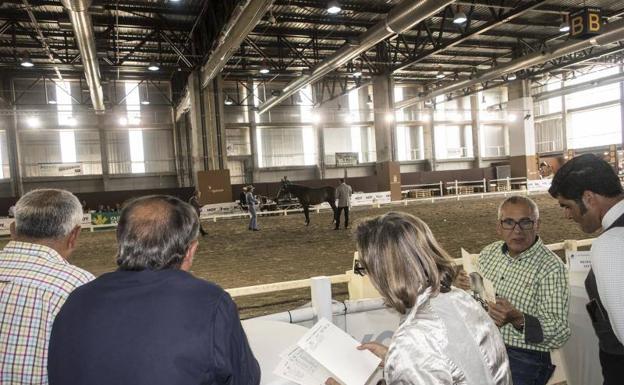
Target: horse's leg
x=334 y=209
x=306 y=212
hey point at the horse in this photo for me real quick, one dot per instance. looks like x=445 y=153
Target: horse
x=308 y=196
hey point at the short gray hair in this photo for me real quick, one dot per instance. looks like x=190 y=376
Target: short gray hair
x=519 y=199
x=47 y=214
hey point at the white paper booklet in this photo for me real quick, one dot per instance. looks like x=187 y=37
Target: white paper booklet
x=327 y=351
x=479 y=284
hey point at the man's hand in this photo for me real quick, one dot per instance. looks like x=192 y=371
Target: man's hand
x=377 y=349
x=331 y=381
x=503 y=312
x=462 y=280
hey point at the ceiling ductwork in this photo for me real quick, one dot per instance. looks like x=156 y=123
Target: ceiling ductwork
x=401 y=17
x=85 y=40
x=612 y=33
x=241 y=23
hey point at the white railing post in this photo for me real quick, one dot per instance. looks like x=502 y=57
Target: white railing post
x=508 y=184
x=484 y=185
x=320 y=288
x=456 y=187
x=441 y=189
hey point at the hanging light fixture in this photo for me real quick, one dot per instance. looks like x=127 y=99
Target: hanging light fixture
x=460 y=17
x=565 y=25
x=440 y=75
x=357 y=74
x=512 y=76
x=264 y=69
x=333 y=7
x=153 y=66
x=25 y=61
x=228 y=101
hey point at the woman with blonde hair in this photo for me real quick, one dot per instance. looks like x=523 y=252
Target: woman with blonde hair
x=445 y=337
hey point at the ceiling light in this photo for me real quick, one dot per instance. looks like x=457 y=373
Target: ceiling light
x=33 y=122
x=333 y=7
x=389 y=117
x=51 y=101
x=71 y=121
x=460 y=18
x=153 y=66
x=316 y=117
x=511 y=118
x=564 y=27
x=145 y=102
x=25 y=61
x=123 y=121
x=357 y=74
x=264 y=70
x=228 y=101
x=440 y=75
x=512 y=76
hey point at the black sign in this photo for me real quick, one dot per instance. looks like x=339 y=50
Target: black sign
x=586 y=22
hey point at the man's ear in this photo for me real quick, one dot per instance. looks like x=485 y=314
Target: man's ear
x=12 y=230
x=187 y=262
x=588 y=198
x=72 y=238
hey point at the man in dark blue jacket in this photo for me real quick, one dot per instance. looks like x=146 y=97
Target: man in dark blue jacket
x=151 y=322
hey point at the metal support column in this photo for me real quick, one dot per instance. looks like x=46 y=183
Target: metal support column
x=17 y=186
x=251 y=111
x=475 y=117
x=104 y=158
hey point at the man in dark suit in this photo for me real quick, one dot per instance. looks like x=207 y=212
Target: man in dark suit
x=151 y=322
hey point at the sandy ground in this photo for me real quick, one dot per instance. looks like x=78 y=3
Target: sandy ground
x=285 y=249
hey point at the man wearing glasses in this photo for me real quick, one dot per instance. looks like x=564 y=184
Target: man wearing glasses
x=532 y=292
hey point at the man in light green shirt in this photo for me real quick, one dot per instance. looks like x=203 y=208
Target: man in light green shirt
x=532 y=292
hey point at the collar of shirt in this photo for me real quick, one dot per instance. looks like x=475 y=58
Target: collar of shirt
x=34 y=249
x=531 y=251
x=614 y=213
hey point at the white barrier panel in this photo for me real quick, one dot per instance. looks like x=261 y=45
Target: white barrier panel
x=539 y=184
x=5 y=225
x=86 y=220
x=219 y=209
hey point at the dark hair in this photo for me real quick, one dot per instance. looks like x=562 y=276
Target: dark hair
x=154 y=232
x=341 y=180
x=585 y=173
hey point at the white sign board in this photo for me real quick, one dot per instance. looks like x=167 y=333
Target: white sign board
x=346 y=158
x=5 y=225
x=60 y=169
x=539 y=184
x=578 y=261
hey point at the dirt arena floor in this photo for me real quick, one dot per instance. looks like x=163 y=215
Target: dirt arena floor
x=286 y=250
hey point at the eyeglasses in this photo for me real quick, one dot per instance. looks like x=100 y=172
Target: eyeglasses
x=524 y=224
x=358 y=268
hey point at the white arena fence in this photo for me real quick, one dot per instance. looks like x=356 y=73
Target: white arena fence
x=367 y=319
x=443 y=191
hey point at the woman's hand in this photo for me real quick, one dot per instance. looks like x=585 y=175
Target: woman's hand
x=462 y=280
x=377 y=349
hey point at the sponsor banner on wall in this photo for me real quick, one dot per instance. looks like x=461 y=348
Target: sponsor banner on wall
x=219 y=209
x=60 y=169
x=106 y=218
x=346 y=159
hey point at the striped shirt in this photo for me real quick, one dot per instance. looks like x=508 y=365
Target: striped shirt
x=536 y=283
x=34 y=283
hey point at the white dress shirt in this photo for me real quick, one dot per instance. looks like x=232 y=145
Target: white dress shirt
x=607 y=256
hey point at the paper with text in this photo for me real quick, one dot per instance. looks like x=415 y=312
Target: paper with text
x=297 y=366
x=479 y=284
x=337 y=352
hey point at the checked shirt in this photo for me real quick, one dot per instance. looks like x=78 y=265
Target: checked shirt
x=34 y=283
x=536 y=283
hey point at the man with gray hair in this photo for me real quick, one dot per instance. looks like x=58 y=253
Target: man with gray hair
x=151 y=322
x=531 y=284
x=35 y=281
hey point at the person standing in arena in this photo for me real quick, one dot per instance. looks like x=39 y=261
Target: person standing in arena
x=590 y=193
x=35 y=281
x=194 y=201
x=251 y=207
x=343 y=194
x=151 y=322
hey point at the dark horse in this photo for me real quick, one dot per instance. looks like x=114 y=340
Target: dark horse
x=309 y=196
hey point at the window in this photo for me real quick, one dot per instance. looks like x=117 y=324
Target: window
x=494 y=140
x=68 y=146
x=605 y=124
x=135 y=137
x=307 y=131
x=67 y=139
x=354 y=111
x=452 y=142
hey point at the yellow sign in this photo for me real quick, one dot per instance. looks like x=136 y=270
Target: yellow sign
x=586 y=22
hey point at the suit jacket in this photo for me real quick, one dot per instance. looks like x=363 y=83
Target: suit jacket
x=148 y=327
x=343 y=194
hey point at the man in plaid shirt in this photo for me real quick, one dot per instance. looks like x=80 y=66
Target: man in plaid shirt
x=532 y=292
x=35 y=280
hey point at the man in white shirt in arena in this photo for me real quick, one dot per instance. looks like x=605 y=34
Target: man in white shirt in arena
x=591 y=194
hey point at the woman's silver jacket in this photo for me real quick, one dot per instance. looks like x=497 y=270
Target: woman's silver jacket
x=447 y=339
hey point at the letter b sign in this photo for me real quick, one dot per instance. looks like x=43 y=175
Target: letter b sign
x=586 y=22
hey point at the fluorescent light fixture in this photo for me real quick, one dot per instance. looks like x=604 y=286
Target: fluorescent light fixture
x=145 y=102
x=333 y=7
x=153 y=66
x=460 y=18
x=264 y=70
x=228 y=101
x=512 y=76
x=33 y=122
